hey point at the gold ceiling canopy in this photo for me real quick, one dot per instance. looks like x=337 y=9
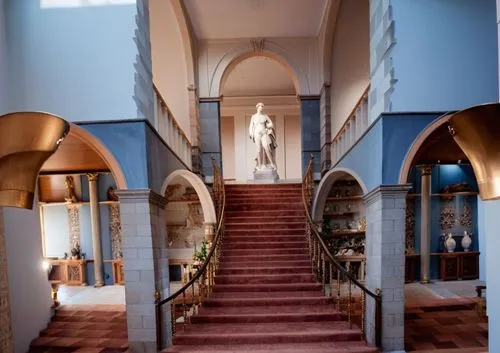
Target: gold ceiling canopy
x=477 y=131
x=27 y=140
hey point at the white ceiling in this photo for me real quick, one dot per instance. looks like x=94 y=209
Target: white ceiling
x=258 y=76
x=225 y=19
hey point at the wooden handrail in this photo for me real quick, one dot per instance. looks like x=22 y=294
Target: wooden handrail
x=175 y=122
x=344 y=125
x=207 y=270
x=320 y=253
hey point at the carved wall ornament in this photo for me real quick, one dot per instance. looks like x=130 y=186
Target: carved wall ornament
x=195 y=216
x=466 y=217
x=410 y=227
x=171 y=190
x=115 y=230
x=74 y=225
x=69 y=184
x=447 y=216
x=258 y=45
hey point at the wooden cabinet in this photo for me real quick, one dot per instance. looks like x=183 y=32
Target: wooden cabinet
x=458 y=265
x=69 y=272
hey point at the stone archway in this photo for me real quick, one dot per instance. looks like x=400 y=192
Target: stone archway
x=268 y=49
x=325 y=185
x=201 y=190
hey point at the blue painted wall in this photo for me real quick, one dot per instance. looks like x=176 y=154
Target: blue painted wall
x=441 y=176
x=446 y=54
x=400 y=130
x=74 y=62
x=127 y=142
x=365 y=158
x=56 y=230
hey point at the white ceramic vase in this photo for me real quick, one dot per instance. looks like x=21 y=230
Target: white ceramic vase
x=466 y=241
x=450 y=243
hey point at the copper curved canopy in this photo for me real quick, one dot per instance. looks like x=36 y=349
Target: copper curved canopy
x=27 y=140
x=477 y=131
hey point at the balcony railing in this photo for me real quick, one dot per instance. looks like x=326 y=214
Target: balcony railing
x=352 y=130
x=170 y=130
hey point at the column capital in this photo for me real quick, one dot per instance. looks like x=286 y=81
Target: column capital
x=141 y=195
x=93 y=176
x=425 y=169
x=387 y=191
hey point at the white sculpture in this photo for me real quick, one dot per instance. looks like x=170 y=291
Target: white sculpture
x=261 y=132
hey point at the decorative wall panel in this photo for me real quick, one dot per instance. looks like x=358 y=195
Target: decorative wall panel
x=115 y=230
x=74 y=225
x=5 y=328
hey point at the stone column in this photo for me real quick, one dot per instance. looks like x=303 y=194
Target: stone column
x=385 y=262
x=310 y=131
x=425 y=223
x=6 y=344
x=145 y=256
x=326 y=130
x=95 y=221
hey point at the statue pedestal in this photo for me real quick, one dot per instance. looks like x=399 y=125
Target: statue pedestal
x=266 y=176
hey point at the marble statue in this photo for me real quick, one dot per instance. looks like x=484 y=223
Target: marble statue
x=261 y=132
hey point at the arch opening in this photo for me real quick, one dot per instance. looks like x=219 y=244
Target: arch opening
x=249 y=79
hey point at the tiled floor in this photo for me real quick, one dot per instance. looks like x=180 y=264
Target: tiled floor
x=110 y=295
x=441 y=317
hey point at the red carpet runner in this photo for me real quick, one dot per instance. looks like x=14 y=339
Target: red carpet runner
x=265 y=297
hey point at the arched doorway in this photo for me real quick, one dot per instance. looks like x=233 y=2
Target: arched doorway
x=338 y=206
x=189 y=219
x=445 y=232
x=249 y=79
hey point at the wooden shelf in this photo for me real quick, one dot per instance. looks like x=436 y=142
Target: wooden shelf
x=344 y=198
x=338 y=233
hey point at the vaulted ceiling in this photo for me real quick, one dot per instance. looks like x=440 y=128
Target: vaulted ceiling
x=224 y=19
x=258 y=76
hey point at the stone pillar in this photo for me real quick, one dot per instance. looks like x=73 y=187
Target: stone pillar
x=385 y=262
x=145 y=256
x=6 y=344
x=210 y=135
x=95 y=221
x=425 y=223
x=326 y=130
x=310 y=131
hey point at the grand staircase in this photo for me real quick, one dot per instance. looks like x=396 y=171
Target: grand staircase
x=265 y=297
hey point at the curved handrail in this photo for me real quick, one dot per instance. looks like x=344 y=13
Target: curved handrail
x=376 y=296
x=220 y=200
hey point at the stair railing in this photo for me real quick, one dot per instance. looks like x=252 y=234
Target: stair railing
x=330 y=272
x=201 y=284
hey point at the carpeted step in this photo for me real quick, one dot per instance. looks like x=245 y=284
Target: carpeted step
x=268 y=245
x=275 y=270
x=264 y=232
x=266 y=287
x=232 y=238
x=265 y=317
x=259 y=301
x=82 y=325
x=259 y=213
x=255 y=294
x=264 y=279
x=55 y=343
x=266 y=252
x=266 y=333
x=229 y=225
x=259 y=206
x=265 y=218
x=264 y=257
x=318 y=347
